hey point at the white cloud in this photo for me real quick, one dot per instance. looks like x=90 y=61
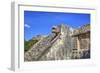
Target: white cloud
x=26 y=25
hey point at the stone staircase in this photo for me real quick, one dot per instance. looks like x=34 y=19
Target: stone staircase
x=40 y=48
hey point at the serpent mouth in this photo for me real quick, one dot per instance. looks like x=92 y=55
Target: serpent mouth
x=55 y=29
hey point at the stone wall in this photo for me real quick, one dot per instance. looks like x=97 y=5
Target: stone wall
x=58 y=45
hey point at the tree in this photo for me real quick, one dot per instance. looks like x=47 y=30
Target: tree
x=29 y=44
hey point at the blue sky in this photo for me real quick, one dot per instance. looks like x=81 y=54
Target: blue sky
x=40 y=23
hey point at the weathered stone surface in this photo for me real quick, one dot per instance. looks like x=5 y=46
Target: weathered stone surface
x=59 y=45
x=83 y=42
x=61 y=49
x=38 y=48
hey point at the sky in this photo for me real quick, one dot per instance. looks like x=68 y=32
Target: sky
x=40 y=23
